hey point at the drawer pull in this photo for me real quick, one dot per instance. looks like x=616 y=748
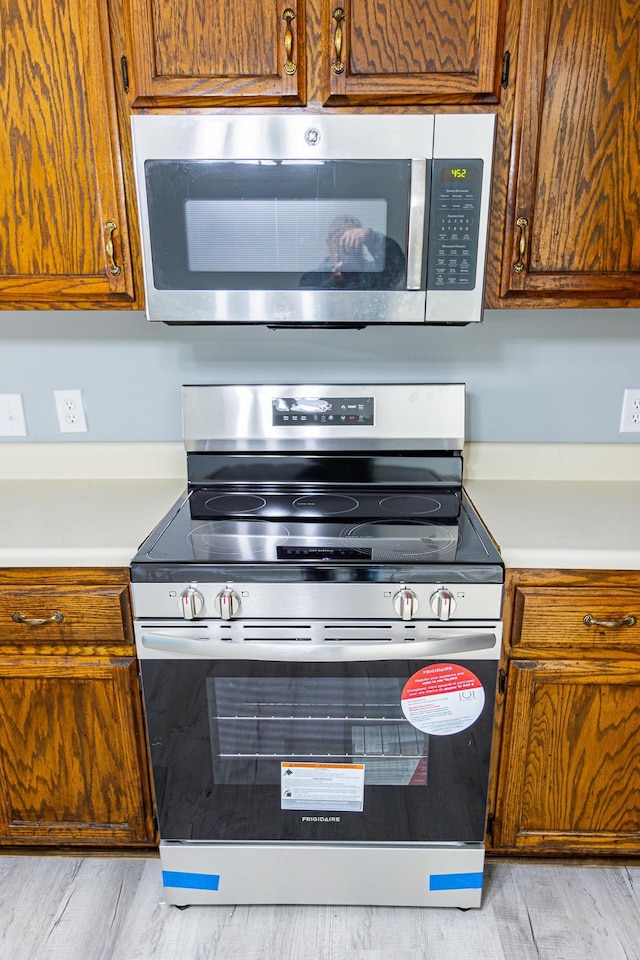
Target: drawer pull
x=56 y=617
x=590 y=621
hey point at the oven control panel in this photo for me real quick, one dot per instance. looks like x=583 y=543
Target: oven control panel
x=391 y=601
x=328 y=411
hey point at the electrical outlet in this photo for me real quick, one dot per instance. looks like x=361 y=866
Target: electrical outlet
x=630 y=419
x=12 y=422
x=70 y=410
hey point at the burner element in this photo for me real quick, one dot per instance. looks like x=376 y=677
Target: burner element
x=410 y=505
x=324 y=504
x=403 y=541
x=236 y=540
x=235 y=503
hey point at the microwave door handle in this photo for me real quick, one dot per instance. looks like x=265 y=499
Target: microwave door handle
x=444 y=643
x=417 y=221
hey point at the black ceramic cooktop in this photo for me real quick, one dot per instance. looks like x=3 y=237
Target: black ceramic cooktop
x=250 y=526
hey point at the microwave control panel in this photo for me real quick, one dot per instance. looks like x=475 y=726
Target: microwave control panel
x=456 y=189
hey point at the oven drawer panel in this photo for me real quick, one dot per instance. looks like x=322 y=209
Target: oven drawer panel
x=64 y=614
x=417 y=875
x=577 y=620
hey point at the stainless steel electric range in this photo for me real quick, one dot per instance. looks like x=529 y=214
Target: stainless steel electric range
x=318 y=626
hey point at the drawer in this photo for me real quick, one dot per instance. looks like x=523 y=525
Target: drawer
x=552 y=620
x=70 y=614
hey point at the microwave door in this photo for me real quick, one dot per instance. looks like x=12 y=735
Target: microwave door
x=235 y=242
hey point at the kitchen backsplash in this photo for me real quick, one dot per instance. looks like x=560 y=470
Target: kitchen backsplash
x=535 y=376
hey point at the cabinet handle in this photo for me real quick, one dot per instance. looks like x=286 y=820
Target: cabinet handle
x=56 y=617
x=110 y=226
x=288 y=16
x=590 y=621
x=523 y=223
x=338 y=15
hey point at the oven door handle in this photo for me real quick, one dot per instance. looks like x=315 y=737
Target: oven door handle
x=442 y=644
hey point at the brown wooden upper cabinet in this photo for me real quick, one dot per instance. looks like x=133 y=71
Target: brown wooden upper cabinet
x=572 y=232
x=294 y=52
x=65 y=240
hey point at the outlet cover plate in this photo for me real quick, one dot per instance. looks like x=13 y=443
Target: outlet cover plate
x=630 y=418
x=70 y=410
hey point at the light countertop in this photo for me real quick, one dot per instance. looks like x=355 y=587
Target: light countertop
x=83 y=504
x=562 y=506
x=563 y=525
x=79 y=523
x=554 y=506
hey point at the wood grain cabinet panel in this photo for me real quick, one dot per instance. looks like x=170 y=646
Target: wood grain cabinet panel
x=62 y=190
x=570 y=781
x=566 y=767
x=197 y=52
x=70 y=614
x=420 y=52
x=73 y=753
x=550 y=621
x=276 y=52
x=573 y=200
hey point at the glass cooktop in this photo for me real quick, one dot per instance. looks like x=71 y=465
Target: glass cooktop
x=217 y=526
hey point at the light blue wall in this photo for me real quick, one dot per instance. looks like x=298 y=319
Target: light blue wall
x=535 y=375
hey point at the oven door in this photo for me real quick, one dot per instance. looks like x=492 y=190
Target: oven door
x=292 y=740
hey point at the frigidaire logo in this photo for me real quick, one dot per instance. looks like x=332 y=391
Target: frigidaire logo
x=320 y=819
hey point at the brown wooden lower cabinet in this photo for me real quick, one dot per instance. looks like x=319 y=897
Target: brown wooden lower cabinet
x=73 y=757
x=567 y=776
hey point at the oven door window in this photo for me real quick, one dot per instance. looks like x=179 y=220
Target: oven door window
x=233 y=741
x=260 y=724
x=240 y=225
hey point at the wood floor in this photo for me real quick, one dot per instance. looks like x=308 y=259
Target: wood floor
x=65 y=908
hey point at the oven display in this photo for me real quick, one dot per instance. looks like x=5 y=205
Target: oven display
x=323 y=411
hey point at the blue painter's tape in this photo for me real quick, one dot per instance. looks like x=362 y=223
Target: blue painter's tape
x=190 y=881
x=455 y=881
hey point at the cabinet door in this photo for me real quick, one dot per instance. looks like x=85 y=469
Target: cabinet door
x=208 y=52
x=71 y=753
x=61 y=190
x=412 y=51
x=572 y=234
x=569 y=779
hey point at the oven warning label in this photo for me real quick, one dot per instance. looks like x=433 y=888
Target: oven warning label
x=442 y=699
x=322 y=786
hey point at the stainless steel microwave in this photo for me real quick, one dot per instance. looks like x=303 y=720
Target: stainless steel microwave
x=310 y=220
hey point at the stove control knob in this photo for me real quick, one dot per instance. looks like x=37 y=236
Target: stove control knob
x=443 y=603
x=227 y=603
x=190 y=603
x=405 y=603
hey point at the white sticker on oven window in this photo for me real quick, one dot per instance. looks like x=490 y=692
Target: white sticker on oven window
x=442 y=699
x=322 y=786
